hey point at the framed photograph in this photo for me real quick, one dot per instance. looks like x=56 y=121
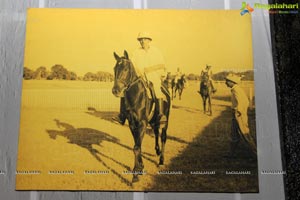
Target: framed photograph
x=138 y=100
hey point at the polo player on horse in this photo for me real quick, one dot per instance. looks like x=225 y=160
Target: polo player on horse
x=209 y=73
x=150 y=65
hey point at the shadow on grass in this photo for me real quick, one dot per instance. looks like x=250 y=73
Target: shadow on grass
x=223 y=98
x=207 y=153
x=187 y=109
x=107 y=115
x=85 y=138
x=201 y=108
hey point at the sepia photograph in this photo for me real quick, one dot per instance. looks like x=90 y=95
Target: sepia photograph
x=138 y=100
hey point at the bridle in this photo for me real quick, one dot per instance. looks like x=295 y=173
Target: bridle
x=127 y=82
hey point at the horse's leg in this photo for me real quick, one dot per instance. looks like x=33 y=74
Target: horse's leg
x=209 y=105
x=179 y=93
x=170 y=90
x=175 y=92
x=138 y=134
x=157 y=148
x=163 y=143
x=158 y=125
x=172 y=93
x=161 y=129
x=204 y=103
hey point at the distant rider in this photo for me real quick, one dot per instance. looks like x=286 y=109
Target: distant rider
x=210 y=74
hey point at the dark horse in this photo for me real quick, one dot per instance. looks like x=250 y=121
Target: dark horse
x=205 y=92
x=178 y=86
x=139 y=110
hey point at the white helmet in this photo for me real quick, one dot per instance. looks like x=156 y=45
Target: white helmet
x=144 y=35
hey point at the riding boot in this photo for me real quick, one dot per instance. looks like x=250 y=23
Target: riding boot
x=162 y=119
x=121 y=117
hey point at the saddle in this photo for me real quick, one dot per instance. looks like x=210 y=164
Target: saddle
x=151 y=95
x=150 y=89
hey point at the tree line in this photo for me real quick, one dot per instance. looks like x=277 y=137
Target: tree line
x=59 y=72
x=220 y=76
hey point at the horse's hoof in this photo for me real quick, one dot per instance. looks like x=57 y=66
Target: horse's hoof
x=135 y=179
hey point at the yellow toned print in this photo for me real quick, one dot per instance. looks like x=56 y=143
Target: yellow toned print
x=83 y=40
x=68 y=139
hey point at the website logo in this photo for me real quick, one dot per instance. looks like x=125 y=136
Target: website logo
x=277 y=8
x=246 y=8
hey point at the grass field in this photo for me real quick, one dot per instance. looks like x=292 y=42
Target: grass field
x=66 y=134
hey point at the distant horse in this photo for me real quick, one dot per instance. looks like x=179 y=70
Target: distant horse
x=205 y=92
x=178 y=86
x=139 y=108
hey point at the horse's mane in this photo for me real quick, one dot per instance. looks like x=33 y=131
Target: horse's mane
x=131 y=66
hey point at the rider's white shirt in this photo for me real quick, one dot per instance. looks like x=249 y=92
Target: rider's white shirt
x=150 y=63
x=145 y=59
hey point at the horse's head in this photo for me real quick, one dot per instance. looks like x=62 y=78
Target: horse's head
x=124 y=74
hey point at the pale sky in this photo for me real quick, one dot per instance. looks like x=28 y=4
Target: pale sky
x=83 y=40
